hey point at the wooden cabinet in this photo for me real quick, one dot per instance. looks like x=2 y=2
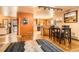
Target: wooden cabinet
x=45 y=31
x=46 y=24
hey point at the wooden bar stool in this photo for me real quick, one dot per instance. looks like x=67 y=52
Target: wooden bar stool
x=66 y=36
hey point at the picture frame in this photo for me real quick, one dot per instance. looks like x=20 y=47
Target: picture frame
x=71 y=17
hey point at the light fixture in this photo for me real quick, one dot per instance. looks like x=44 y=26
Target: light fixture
x=50 y=8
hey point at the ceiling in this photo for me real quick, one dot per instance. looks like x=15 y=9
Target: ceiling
x=65 y=8
x=41 y=12
x=29 y=9
x=25 y=9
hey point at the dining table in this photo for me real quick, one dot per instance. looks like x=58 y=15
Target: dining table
x=60 y=34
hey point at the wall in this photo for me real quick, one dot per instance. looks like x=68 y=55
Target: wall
x=1 y=17
x=74 y=26
x=27 y=28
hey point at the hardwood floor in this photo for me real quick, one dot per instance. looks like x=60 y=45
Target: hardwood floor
x=74 y=45
x=3 y=47
x=25 y=37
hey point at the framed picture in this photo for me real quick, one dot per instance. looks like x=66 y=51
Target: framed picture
x=71 y=17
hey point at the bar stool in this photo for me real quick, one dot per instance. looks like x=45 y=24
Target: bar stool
x=51 y=32
x=56 y=34
x=66 y=34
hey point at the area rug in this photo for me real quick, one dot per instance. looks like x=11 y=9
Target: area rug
x=47 y=46
x=15 y=47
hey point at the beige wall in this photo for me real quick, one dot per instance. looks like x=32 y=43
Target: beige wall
x=74 y=26
x=1 y=17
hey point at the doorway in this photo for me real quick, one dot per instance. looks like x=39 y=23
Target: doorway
x=25 y=26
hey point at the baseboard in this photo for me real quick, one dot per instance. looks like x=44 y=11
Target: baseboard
x=75 y=39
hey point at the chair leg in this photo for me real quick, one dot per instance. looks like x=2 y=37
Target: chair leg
x=64 y=42
x=69 y=41
x=59 y=41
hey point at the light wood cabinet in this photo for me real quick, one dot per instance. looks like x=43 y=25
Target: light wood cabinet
x=46 y=25
x=45 y=31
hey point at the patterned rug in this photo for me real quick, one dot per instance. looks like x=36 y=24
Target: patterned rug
x=28 y=46
x=15 y=47
x=47 y=46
